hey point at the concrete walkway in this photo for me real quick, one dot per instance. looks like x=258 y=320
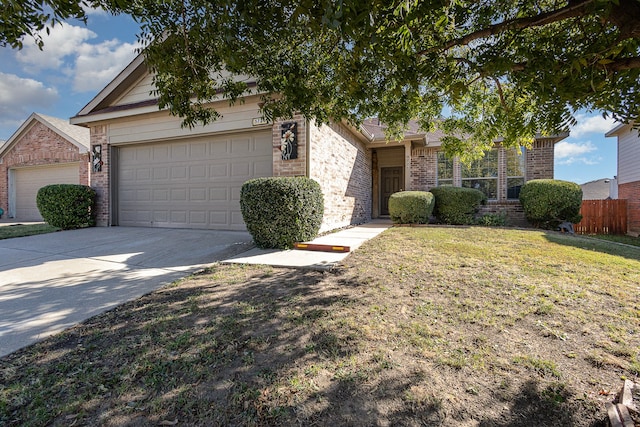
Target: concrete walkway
x=352 y=237
x=50 y=282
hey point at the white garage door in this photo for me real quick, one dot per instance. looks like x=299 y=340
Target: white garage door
x=192 y=183
x=27 y=182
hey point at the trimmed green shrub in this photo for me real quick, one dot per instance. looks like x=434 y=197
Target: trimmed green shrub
x=457 y=205
x=411 y=207
x=281 y=211
x=548 y=202
x=493 y=219
x=67 y=206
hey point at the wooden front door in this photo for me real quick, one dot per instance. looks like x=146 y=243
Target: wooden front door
x=391 y=182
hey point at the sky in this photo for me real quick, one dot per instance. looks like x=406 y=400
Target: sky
x=79 y=60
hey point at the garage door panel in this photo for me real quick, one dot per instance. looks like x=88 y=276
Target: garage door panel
x=201 y=192
x=198 y=172
x=217 y=171
x=218 y=194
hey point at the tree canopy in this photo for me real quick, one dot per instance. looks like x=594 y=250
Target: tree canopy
x=487 y=69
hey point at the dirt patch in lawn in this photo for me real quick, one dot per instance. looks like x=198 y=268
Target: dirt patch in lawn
x=429 y=326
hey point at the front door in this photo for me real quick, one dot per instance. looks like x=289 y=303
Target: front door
x=391 y=183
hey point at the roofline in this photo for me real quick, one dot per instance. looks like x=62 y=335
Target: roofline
x=133 y=71
x=616 y=130
x=29 y=122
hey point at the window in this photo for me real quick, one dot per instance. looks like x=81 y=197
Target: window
x=515 y=171
x=482 y=174
x=445 y=170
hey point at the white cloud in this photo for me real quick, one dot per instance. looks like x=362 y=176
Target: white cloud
x=19 y=97
x=94 y=11
x=565 y=149
x=88 y=66
x=60 y=45
x=592 y=124
x=97 y=65
x=571 y=153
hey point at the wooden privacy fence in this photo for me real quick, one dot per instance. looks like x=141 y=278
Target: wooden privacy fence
x=603 y=217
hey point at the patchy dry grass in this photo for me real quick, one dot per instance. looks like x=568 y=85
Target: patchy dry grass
x=421 y=326
x=23 y=230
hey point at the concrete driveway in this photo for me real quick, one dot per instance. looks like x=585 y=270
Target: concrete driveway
x=50 y=282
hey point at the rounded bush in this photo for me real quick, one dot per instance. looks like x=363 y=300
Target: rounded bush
x=457 y=205
x=280 y=211
x=548 y=202
x=67 y=206
x=411 y=207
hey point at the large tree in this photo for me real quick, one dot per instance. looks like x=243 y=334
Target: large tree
x=493 y=68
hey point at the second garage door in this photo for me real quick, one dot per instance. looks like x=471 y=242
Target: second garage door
x=192 y=183
x=27 y=182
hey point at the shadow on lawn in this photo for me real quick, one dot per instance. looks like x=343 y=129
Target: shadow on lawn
x=592 y=244
x=237 y=346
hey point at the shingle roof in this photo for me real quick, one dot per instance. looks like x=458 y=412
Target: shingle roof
x=377 y=129
x=78 y=133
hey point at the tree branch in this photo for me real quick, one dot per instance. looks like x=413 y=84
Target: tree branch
x=573 y=9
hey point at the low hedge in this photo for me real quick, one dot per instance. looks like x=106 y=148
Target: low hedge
x=411 y=207
x=67 y=206
x=549 y=202
x=280 y=211
x=457 y=205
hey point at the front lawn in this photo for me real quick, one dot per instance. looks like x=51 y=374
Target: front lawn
x=464 y=326
x=22 y=230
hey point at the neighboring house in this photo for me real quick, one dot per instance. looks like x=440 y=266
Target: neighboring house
x=600 y=189
x=44 y=150
x=157 y=174
x=629 y=172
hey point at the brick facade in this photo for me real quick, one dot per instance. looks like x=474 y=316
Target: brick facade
x=294 y=167
x=423 y=169
x=538 y=165
x=40 y=146
x=539 y=162
x=631 y=192
x=100 y=180
x=342 y=165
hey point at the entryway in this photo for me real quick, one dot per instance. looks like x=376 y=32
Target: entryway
x=391 y=182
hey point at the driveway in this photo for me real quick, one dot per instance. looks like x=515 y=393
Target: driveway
x=50 y=282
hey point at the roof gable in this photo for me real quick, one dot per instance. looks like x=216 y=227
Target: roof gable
x=76 y=135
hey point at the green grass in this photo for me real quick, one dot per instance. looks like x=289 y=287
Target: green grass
x=420 y=326
x=627 y=240
x=22 y=230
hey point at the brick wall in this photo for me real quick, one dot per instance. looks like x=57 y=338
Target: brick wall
x=40 y=146
x=631 y=192
x=422 y=176
x=512 y=209
x=539 y=162
x=100 y=180
x=294 y=167
x=539 y=165
x=342 y=165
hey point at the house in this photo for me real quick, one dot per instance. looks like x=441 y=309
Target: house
x=600 y=189
x=44 y=150
x=157 y=174
x=629 y=172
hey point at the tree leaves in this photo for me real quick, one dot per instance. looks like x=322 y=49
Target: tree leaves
x=502 y=71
